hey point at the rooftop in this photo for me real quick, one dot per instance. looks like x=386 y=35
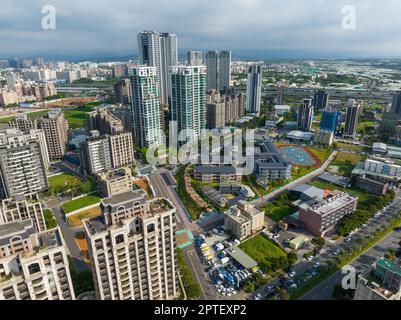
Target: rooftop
x=215 y=169
x=301 y=135
x=241 y=257
x=389 y=265
x=338 y=200
x=125 y=197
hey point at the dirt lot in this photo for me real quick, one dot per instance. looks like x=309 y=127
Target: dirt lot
x=76 y=219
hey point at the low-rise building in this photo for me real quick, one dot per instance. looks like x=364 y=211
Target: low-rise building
x=114 y=182
x=244 y=220
x=371 y=185
x=382 y=282
x=208 y=173
x=270 y=163
x=300 y=137
x=298 y=242
x=317 y=217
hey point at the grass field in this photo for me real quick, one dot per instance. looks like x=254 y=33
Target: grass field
x=264 y=251
x=83 y=202
x=76 y=219
x=76 y=117
x=30 y=115
x=278 y=212
x=63 y=180
x=351 y=147
x=346 y=162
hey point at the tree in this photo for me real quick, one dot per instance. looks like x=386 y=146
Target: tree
x=249 y=287
x=292 y=258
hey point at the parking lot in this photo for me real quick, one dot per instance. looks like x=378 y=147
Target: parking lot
x=226 y=275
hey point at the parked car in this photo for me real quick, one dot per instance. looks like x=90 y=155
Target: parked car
x=336 y=252
x=348 y=240
x=258 y=296
x=292 y=274
x=317 y=265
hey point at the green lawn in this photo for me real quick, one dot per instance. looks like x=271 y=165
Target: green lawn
x=83 y=202
x=277 y=212
x=34 y=114
x=63 y=180
x=366 y=126
x=346 y=162
x=49 y=219
x=76 y=117
x=351 y=147
x=264 y=251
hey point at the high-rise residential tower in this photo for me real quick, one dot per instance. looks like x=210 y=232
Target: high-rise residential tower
x=22 y=168
x=159 y=50
x=351 y=118
x=194 y=58
x=146 y=112
x=55 y=127
x=320 y=100
x=33 y=266
x=188 y=99
x=218 y=65
x=133 y=249
x=305 y=115
x=280 y=95
x=254 y=89
x=329 y=120
x=396 y=103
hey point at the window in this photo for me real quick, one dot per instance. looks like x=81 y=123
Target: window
x=119 y=239
x=151 y=227
x=34 y=268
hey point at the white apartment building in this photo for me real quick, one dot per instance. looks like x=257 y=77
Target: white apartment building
x=133 y=248
x=22 y=166
x=146 y=110
x=159 y=50
x=33 y=266
x=23 y=207
x=188 y=99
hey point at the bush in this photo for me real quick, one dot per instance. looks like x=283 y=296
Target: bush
x=50 y=221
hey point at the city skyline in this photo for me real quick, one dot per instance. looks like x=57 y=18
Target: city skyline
x=257 y=28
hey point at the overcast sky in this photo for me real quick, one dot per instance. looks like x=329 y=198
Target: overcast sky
x=110 y=26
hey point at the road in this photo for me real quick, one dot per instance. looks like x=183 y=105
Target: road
x=161 y=188
x=324 y=290
x=68 y=235
x=261 y=202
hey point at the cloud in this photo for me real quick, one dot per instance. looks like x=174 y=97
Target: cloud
x=110 y=27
